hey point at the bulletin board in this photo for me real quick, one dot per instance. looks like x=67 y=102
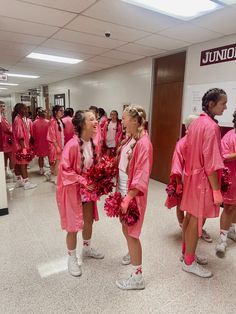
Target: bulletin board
x=193 y=100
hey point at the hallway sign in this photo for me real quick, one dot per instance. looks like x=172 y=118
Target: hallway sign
x=217 y=55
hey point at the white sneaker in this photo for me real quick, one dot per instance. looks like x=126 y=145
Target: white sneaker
x=232 y=235
x=41 y=171
x=73 y=266
x=92 y=253
x=19 y=184
x=132 y=283
x=48 y=175
x=126 y=259
x=28 y=185
x=201 y=260
x=221 y=248
x=197 y=270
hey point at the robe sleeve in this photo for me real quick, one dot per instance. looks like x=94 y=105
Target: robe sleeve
x=212 y=158
x=18 y=129
x=177 y=165
x=6 y=127
x=142 y=168
x=67 y=167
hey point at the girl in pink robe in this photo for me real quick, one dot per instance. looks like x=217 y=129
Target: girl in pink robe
x=203 y=166
x=135 y=166
x=112 y=134
x=40 y=130
x=227 y=219
x=56 y=140
x=22 y=135
x=69 y=128
x=7 y=141
x=78 y=155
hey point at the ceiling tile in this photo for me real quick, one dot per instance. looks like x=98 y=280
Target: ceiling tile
x=221 y=21
x=87 y=39
x=122 y=55
x=70 y=6
x=162 y=42
x=128 y=15
x=92 y=26
x=33 y=13
x=190 y=33
x=21 y=38
x=19 y=26
x=15 y=49
x=139 y=49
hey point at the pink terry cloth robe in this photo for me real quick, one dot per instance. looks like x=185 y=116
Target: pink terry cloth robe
x=7 y=136
x=40 y=130
x=228 y=144
x=118 y=136
x=68 y=195
x=21 y=129
x=139 y=170
x=54 y=136
x=102 y=123
x=202 y=155
x=177 y=165
x=69 y=131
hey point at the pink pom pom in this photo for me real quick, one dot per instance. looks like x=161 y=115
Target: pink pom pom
x=225 y=180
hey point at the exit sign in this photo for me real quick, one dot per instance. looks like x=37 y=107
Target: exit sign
x=3 y=77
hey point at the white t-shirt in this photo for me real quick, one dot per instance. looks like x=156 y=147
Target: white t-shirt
x=125 y=154
x=88 y=154
x=111 y=134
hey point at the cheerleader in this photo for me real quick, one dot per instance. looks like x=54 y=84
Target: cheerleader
x=112 y=133
x=40 y=130
x=102 y=118
x=227 y=219
x=203 y=166
x=7 y=142
x=135 y=164
x=69 y=128
x=22 y=140
x=76 y=212
x=55 y=137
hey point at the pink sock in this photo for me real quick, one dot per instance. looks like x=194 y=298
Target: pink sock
x=189 y=258
x=183 y=247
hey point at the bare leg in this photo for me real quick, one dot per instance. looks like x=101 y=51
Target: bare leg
x=88 y=220
x=71 y=240
x=191 y=235
x=180 y=215
x=41 y=162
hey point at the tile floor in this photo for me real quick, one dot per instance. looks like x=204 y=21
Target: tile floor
x=34 y=279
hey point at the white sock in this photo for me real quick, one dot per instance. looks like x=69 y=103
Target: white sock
x=137 y=271
x=72 y=252
x=232 y=227
x=223 y=234
x=86 y=244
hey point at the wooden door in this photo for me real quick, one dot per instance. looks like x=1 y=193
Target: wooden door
x=166 y=112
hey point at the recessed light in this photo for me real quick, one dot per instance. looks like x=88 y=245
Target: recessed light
x=9 y=84
x=46 y=57
x=182 y=9
x=22 y=75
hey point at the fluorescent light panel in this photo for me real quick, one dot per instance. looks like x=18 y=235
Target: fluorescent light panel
x=9 y=84
x=229 y=2
x=22 y=75
x=181 y=9
x=45 y=57
x=3 y=88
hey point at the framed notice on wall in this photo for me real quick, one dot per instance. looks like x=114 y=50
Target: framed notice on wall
x=60 y=100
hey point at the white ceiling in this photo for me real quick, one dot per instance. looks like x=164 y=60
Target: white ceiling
x=75 y=28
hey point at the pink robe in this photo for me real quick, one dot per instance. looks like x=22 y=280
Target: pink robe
x=40 y=130
x=20 y=131
x=54 y=136
x=118 y=136
x=68 y=188
x=69 y=131
x=228 y=144
x=102 y=123
x=139 y=170
x=177 y=166
x=7 y=137
x=202 y=155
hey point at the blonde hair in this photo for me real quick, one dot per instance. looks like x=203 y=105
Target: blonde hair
x=189 y=120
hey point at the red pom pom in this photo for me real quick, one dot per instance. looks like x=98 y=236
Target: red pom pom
x=112 y=205
x=28 y=156
x=225 y=180
x=173 y=198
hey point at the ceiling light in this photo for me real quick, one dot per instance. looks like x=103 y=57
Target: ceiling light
x=228 y=1
x=182 y=9
x=9 y=84
x=3 y=88
x=22 y=75
x=46 y=57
